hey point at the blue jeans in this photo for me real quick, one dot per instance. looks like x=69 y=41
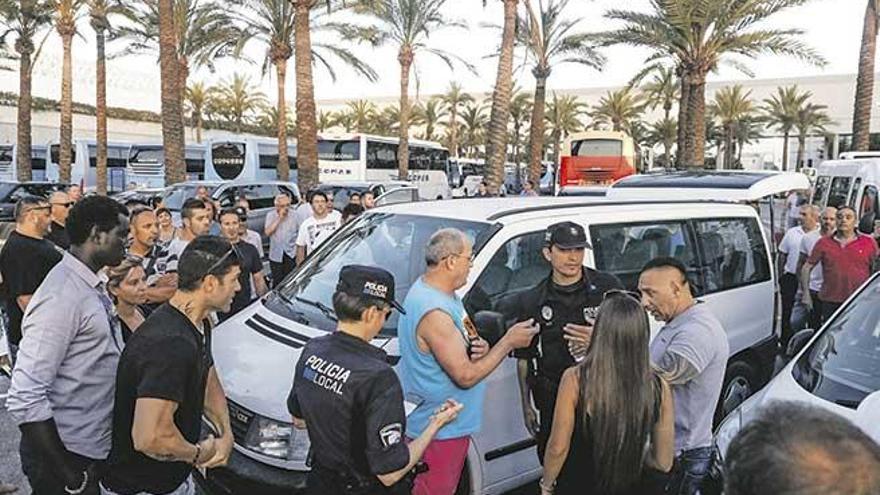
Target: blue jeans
x=689 y=471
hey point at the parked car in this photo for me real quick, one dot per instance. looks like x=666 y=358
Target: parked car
x=721 y=244
x=260 y=195
x=341 y=191
x=147 y=196
x=10 y=192
x=836 y=368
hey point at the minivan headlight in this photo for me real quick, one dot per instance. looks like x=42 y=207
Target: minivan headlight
x=277 y=439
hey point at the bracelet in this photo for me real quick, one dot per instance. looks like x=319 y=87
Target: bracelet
x=546 y=488
x=198 y=453
x=82 y=487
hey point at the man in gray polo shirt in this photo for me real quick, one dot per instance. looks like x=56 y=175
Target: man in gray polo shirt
x=282 y=227
x=62 y=388
x=692 y=351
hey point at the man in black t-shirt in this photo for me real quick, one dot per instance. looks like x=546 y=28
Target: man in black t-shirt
x=565 y=305
x=251 y=278
x=166 y=381
x=350 y=400
x=25 y=260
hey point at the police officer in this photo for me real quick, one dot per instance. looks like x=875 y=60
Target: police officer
x=349 y=398
x=564 y=305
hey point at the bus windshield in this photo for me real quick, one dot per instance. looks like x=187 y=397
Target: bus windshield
x=338 y=151
x=597 y=147
x=144 y=154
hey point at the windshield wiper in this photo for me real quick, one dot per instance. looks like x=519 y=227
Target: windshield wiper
x=323 y=308
x=300 y=317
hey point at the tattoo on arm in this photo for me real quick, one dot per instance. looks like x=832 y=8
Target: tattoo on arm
x=677 y=370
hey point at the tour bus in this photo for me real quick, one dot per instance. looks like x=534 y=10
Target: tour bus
x=9 y=162
x=246 y=159
x=146 y=164
x=84 y=162
x=854 y=182
x=595 y=158
x=363 y=157
x=721 y=244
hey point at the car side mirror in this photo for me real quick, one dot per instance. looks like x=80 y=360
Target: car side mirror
x=798 y=341
x=866 y=223
x=490 y=325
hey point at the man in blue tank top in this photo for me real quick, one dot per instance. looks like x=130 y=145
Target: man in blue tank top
x=442 y=358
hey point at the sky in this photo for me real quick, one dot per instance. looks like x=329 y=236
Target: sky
x=832 y=26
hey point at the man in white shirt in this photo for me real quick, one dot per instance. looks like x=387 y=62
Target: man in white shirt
x=316 y=229
x=195 y=217
x=827 y=226
x=789 y=254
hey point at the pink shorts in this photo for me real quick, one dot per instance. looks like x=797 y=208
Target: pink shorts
x=445 y=459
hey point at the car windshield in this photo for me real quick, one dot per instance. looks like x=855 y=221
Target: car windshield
x=5 y=189
x=176 y=196
x=394 y=242
x=843 y=365
x=341 y=194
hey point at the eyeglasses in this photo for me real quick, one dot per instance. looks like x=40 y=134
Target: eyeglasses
x=66 y=205
x=38 y=208
x=217 y=264
x=469 y=258
x=621 y=292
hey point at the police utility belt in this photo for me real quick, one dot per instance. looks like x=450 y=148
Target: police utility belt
x=356 y=484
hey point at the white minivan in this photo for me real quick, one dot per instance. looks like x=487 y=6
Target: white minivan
x=854 y=182
x=255 y=352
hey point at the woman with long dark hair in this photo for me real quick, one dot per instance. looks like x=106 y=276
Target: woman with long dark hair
x=613 y=427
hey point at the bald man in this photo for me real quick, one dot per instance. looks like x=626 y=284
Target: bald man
x=60 y=206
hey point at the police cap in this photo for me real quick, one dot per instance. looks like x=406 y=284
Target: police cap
x=368 y=282
x=566 y=235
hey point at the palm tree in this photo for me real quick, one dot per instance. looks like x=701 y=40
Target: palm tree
x=197 y=99
x=269 y=119
x=811 y=119
x=550 y=41
x=202 y=31
x=865 y=82
x=363 y=114
x=344 y=119
x=408 y=24
x=696 y=37
x=496 y=143
x=662 y=91
x=563 y=118
x=24 y=19
x=454 y=99
x=618 y=110
x=388 y=121
x=429 y=116
x=781 y=111
x=100 y=12
x=748 y=131
x=239 y=100
x=732 y=104
x=474 y=122
x=173 y=138
x=65 y=17
x=664 y=132
x=520 y=113
x=324 y=121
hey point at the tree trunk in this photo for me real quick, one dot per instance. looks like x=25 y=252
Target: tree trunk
x=695 y=134
x=101 y=112
x=865 y=82
x=683 y=125
x=283 y=162
x=23 y=156
x=453 y=131
x=199 y=124
x=496 y=145
x=306 y=128
x=183 y=77
x=405 y=57
x=786 y=135
x=802 y=147
x=536 y=133
x=728 y=147
x=66 y=129
x=172 y=112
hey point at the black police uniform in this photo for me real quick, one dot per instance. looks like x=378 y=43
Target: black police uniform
x=352 y=403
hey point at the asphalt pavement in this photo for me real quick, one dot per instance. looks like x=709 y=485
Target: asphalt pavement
x=10 y=469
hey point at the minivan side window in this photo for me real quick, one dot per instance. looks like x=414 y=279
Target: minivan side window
x=839 y=193
x=517 y=265
x=623 y=249
x=857 y=184
x=821 y=190
x=733 y=253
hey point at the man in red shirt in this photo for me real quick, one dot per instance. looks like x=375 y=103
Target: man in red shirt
x=847 y=259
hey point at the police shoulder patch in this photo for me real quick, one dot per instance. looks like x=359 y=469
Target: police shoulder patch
x=391 y=434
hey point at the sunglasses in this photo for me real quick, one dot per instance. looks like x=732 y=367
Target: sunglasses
x=217 y=264
x=621 y=292
x=66 y=205
x=38 y=208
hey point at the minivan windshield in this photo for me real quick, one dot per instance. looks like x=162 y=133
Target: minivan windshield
x=395 y=242
x=843 y=365
x=177 y=195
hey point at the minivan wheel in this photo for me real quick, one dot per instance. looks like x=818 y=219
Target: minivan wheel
x=740 y=382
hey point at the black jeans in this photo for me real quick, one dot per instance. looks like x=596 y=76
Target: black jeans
x=544 y=391
x=788 y=286
x=690 y=469
x=828 y=309
x=816 y=319
x=42 y=474
x=281 y=269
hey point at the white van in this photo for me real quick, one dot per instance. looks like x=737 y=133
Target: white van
x=852 y=181
x=255 y=352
